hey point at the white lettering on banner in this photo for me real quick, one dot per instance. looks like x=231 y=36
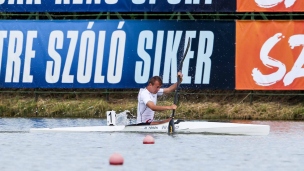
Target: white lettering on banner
x=142 y=1
x=137 y=2
x=110 y=2
x=15 y=48
x=174 y=1
x=171 y=56
x=29 y=54
x=20 y=2
x=67 y=48
x=86 y=55
x=13 y=63
x=196 y=1
x=3 y=35
x=77 y=1
x=273 y=3
x=117 y=52
x=52 y=72
x=208 y=1
x=203 y=63
x=158 y=52
x=296 y=71
x=66 y=77
x=142 y=68
x=84 y=1
x=267 y=80
x=99 y=78
x=190 y=55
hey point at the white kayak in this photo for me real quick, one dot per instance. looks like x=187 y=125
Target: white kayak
x=181 y=127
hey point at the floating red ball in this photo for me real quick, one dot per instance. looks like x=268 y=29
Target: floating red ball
x=116 y=159
x=148 y=140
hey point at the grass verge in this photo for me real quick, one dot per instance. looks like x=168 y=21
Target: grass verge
x=215 y=106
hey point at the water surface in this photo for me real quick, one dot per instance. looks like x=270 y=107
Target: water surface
x=20 y=150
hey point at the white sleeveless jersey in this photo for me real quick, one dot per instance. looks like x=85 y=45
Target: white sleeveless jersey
x=144 y=113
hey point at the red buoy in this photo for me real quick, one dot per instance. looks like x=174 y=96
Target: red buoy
x=148 y=140
x=116 y=159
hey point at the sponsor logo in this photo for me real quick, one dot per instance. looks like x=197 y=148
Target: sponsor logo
x=273 y=3
x=270 y=62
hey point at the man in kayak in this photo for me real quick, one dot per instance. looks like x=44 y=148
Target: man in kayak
x=147 y=99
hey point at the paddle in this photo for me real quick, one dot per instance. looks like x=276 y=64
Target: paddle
x=171 y=127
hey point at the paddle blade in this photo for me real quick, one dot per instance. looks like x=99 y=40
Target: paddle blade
x=171 y=127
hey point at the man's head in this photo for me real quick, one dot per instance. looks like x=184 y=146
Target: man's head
x=154 y=84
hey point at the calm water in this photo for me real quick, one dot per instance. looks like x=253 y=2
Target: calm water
x=282 y=149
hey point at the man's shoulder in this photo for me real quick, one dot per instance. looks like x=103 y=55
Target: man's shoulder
x=143 y=91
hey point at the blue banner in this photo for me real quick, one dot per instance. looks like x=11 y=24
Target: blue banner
x=115 y=53
x=117 y=6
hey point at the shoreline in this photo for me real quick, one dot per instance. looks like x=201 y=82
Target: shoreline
x=194 y=106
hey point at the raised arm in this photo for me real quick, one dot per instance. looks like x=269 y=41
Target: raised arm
x=174 y=86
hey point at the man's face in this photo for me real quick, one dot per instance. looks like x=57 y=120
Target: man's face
x=155 y=87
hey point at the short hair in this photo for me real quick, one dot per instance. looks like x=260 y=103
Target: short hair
x=155 y=78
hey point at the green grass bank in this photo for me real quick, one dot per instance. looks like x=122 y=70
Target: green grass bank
x=209 y=105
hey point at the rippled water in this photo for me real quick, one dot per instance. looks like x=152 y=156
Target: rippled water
x=20 y=150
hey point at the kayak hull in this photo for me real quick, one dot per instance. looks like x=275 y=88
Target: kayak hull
x=181 y=127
